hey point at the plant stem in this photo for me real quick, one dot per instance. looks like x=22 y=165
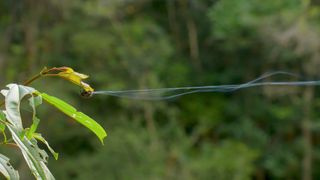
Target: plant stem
x=10 y=144
x=33 y=78
x=29 y=81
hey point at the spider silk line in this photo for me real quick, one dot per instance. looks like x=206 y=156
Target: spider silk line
x=175 y=92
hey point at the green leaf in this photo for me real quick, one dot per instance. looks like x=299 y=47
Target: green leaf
x=3 y=125
x=74 y=114
x=34 y=156
x=40 y=138
x=6 y=168
x=33 y=127
x=2 y=129
x=34 y=102
x=2 y=121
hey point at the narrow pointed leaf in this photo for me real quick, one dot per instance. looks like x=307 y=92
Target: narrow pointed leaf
x=33 y=128
x=2 y=127
x=34 y=156
x=7 y=170
x=34 y=102
x=40 y=138
x=2 y=121
x=76 y=115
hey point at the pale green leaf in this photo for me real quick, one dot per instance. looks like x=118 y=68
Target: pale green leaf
x=35 y=101
x=7 y=170
x=12 y=103
x=34 y=156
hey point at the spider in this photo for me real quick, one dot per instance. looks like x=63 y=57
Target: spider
x=86 y=94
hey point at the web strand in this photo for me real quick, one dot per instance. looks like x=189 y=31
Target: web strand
x=171 y=93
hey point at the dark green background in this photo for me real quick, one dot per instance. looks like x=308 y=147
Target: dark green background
x=258 y=133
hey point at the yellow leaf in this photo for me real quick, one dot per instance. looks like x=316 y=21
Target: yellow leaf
x=72 y=76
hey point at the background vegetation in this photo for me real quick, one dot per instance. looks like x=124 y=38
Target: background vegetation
x=259 y=133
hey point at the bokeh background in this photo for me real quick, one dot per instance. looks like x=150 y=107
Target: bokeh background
x=258 y=133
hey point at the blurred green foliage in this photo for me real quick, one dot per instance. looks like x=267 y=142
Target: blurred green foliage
x=259 y=133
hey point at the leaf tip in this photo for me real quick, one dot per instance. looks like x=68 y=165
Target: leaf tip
x=56 y=156
x=102 y=138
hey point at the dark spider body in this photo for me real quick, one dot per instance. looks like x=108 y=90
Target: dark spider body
x=86 y=94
